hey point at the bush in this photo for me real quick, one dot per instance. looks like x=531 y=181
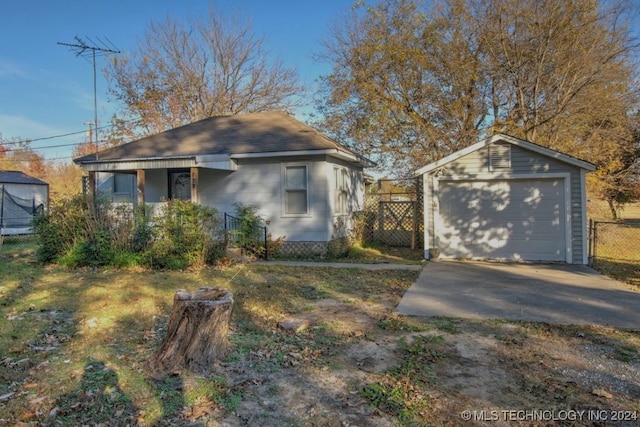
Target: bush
x=81 y=232
x=185 y=235
x=76 y=231
x=251 y=236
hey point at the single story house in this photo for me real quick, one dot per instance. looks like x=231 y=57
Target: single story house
x=21 y=197
x=304 y=184
x=506 y=199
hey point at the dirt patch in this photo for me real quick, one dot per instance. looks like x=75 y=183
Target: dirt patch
x=485 y=367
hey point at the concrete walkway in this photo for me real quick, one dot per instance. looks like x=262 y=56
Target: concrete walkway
x=561 y=294
x=319 y=264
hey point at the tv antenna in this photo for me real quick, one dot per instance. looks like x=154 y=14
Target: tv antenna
x=89 y=50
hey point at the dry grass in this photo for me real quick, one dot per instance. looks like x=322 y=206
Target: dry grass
x=74 y=346
x=599 y=210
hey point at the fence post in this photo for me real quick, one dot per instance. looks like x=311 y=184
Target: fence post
x=2 y=210
x=590 y=243
x=226 y=238
x=266 y=245
x=594 y=254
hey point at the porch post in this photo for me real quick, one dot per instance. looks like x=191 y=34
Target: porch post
x=92 y=185
x=140 y=178
x=195 y=184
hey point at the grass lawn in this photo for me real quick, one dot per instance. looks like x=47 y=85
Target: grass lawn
x=74 y=347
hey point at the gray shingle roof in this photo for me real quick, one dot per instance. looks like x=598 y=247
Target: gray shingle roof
x=17 y=177
x=239 y=134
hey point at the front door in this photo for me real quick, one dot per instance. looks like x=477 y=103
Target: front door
x=180 y=185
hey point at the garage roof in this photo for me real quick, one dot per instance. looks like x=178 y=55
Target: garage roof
x=511 y=140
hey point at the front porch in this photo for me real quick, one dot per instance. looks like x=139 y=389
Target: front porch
x=153 y=181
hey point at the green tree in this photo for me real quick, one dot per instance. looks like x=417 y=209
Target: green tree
x=17 y=154
x=184 y=72
x=407 y=84
x=413 y=81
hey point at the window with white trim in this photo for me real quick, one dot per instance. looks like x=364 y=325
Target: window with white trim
x=296 y=195
x=340 y=190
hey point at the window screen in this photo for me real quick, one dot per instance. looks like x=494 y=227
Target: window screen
x=296 y=200
x=340 y=190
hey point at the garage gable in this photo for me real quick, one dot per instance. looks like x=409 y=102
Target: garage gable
x=506 y=199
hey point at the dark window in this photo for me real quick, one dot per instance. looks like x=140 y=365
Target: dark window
x=180 y=185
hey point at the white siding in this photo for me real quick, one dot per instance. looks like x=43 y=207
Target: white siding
x=259 y=183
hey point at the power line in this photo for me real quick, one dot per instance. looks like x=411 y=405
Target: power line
x=29 y=140
x=43 y=148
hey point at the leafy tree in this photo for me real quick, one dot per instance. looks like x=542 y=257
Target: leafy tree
x=407 y=83
x=184 y=72
x=17 y=154
x=413 y=81
x=617 y=179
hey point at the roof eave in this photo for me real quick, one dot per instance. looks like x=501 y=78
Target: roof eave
x=333 y=152
x=109 y=165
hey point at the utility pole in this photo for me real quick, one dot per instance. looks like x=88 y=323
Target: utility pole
x=91 y=50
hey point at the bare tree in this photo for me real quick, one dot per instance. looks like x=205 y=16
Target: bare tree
x=184 y=72
x=554 y=63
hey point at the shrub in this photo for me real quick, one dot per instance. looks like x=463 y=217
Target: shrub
x=80 y=231
x=251 y=236
x=185 y=234
x=76 y=228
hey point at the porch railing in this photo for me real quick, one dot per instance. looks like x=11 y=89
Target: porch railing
x=245 y=235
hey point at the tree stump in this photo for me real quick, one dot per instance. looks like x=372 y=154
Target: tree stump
x=197 y=331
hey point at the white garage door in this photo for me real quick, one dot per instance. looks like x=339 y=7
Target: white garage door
x=507 y=219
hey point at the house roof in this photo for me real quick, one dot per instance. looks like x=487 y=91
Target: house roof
x=246 y=135
x=511 y=140
x=17 y=177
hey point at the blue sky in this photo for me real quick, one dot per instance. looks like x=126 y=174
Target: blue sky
x=45 y=90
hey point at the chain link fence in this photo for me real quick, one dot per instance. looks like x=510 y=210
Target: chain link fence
x=11 y=244
x=614 y=249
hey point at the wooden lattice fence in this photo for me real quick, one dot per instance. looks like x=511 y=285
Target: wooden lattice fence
x=395 y=219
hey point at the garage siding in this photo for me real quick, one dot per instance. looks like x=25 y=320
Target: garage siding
x=522 y=161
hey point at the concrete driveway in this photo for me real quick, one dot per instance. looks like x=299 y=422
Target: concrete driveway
x=551 y=293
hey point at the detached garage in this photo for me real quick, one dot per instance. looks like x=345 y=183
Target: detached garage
x=506 y=199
